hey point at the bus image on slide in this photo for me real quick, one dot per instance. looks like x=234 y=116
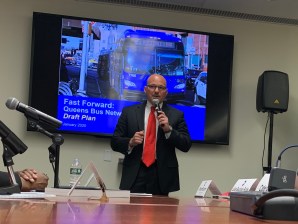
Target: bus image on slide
x=141 y=53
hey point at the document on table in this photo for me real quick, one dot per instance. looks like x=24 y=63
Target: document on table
x=27 y=195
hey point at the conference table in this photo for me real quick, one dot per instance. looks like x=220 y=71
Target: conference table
x=132 y=210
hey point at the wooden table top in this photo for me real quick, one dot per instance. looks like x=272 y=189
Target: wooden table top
x=134 y=210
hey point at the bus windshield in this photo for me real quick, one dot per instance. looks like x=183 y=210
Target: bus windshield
x=167 y=63
x=138 y=61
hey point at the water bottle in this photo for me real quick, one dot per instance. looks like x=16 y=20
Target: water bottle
x=75 y=172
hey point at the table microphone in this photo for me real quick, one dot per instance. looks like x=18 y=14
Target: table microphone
x=14 y=104
x=11 y=140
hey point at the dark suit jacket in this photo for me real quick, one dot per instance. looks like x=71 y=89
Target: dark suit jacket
x=131 y=121
x=5 y=182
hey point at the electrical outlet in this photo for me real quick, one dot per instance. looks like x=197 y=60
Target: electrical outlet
x=108 y=155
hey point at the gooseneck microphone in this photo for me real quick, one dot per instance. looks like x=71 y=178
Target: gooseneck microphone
x=278 y=161
x=14 y=104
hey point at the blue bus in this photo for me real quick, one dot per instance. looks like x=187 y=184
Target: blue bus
x=141 y=53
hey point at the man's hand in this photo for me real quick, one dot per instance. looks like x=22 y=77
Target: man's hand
x=28 y=175
x=33 y=180
x=137 y=139
x=163 y=121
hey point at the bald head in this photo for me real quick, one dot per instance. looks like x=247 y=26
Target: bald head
x=158 y=78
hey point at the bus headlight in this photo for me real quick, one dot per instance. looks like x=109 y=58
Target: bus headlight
x=129 y=83
x=180 y=86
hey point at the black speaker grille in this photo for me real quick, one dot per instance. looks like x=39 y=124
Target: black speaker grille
x=273 y=92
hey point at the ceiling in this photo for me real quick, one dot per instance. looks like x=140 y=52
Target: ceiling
x=272 y=11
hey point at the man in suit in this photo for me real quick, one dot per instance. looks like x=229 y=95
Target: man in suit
x=27 y=179
x=129 y=138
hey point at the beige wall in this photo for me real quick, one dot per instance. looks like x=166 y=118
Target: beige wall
x=258 y=47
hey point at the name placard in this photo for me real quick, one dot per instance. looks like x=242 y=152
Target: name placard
x=205 y=186
x=263 y=184
x=245 y=185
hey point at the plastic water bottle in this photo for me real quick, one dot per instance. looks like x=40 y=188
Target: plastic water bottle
x=75 y=172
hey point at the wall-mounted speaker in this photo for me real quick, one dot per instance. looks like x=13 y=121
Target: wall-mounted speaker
x=273 y=92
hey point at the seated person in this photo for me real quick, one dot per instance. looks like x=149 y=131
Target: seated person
x=27 y=179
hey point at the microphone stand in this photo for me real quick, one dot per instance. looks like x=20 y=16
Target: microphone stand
x=54 y=149
x=8 y=162
x=268 y=168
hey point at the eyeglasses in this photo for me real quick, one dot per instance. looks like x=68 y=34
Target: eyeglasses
x=160 y=88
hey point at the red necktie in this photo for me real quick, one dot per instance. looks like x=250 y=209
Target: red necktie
x=150 y=141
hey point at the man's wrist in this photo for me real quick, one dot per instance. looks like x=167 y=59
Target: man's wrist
x=170 y=129
x=130 y=144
